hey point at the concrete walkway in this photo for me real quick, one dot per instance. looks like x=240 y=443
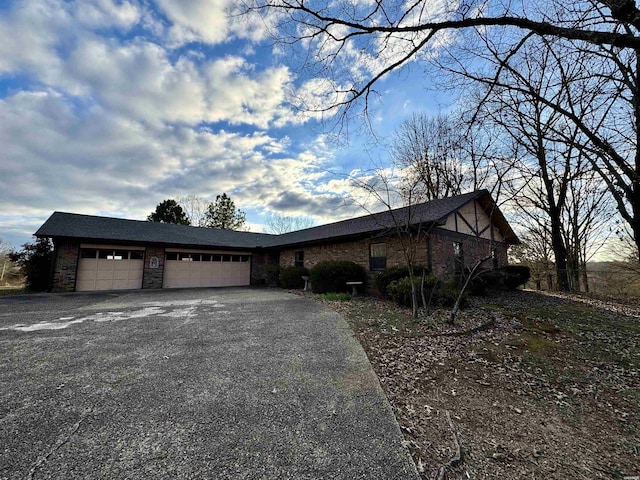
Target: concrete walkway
x=206 y=383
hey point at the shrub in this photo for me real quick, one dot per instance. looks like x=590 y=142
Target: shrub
x=272 y=274
x=333 y=275
x=390 y=274
x=508 y=277
x=515 y=275
x=291 y=277
x=400 y=290
x=35 y=261
x=448 y=292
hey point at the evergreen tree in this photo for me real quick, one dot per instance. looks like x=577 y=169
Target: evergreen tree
x=223 y=214
x=169 y=211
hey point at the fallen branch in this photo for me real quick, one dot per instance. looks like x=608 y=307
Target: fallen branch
x=478 y=328
x=458 y=457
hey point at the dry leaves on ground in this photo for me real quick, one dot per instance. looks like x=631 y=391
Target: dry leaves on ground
x=549 y=389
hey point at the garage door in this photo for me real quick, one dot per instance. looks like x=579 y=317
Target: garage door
x=110 y=269
x=206 y=269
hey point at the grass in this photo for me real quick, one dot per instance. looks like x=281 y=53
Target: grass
x=335 y=297
x=13 y=290
x=572 y=369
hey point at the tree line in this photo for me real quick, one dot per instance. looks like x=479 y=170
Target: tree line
x=551 y=96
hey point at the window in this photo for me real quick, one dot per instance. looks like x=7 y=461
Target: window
x=299 y=259
x=136 y=255
x=88 y=253
x=458 y=255
x=206 y=257
x=172 y=256
x=378 y=256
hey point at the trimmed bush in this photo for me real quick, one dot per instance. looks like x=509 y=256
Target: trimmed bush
x=291 y=277
x=272 y=273
x=333 y=275
x=400 y=290
x=390 y=274
x=515 y=275
x=509 y=277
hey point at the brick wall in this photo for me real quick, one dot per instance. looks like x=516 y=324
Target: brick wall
x=153 y=277
x=441 y=245
x=357 y=252
x=473 y=248
x=65 y=267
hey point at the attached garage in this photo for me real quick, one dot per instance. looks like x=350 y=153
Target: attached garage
x=192 y=268
x=109 y=268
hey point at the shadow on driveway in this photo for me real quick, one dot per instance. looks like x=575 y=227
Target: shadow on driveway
x=207 y=383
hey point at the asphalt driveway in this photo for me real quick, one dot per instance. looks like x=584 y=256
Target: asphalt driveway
x=206 y=383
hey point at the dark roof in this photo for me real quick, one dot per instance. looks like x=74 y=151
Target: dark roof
x=435 y=211
x=73 y=225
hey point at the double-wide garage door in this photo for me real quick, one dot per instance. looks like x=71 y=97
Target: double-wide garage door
x=110 y=268
x=206 y=269
x=121 y=268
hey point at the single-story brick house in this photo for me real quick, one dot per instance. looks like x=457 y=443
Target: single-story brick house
x=103 y=253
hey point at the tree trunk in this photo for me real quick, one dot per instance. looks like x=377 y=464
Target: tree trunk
x=414 y=293
x=585 y=278
x=560 y=252
x=472 y=274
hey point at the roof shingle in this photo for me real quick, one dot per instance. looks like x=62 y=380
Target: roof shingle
x=72 y=225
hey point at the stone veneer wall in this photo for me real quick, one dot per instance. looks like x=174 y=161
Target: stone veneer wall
x=65 y=267
x=153 y=277
x=259 y=263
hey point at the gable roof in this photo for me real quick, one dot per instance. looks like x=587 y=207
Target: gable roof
x=71 y=225
x=433 y=212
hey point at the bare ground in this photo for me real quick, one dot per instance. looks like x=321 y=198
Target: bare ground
x=549 y=390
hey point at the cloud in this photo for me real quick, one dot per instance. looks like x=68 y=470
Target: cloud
x=102 y=114
x=29 y=33
x=102 y=14
x=87 y=160
x=212 y=22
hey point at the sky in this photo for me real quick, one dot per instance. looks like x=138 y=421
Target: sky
x=108 y=107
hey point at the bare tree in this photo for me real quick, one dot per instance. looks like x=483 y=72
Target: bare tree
x=9 y=271
x=351 y=45
x=586 y=222
x=430 y=152
x=277 y=223
x=390 y=188
x=196 y=209
x=535 y=252
x=544 y=143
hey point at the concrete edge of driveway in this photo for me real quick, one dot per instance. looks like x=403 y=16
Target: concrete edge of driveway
x=361 y=376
